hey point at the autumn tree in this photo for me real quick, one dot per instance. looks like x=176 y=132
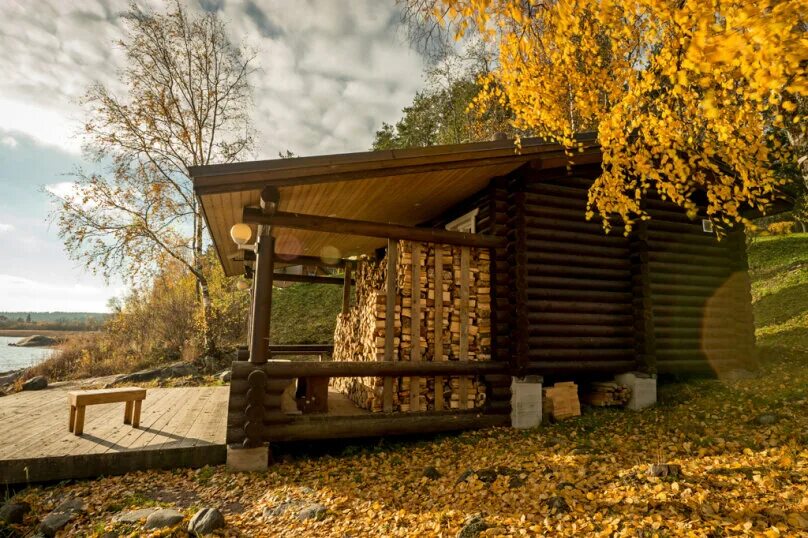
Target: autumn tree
x=686 y=97
x=440 y=113
x=184 y=101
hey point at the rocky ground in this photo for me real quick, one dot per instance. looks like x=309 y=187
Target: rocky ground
x=714 y=458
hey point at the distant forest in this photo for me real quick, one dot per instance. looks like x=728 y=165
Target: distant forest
x=54 y=321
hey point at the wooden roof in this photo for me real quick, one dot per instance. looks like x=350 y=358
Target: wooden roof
x=396 y=186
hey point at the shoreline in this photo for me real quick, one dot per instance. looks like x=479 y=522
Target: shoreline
x=23 y=333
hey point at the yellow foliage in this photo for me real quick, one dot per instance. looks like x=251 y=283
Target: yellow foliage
x=682 y=95
x=781 y=228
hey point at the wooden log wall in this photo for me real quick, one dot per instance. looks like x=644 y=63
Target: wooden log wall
x=700 y=292
x=442 y=313
x=577 y=282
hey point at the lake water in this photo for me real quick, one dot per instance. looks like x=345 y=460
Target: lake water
x=13 y=358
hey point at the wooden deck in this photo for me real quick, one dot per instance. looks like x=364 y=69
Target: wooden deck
x=179 y=427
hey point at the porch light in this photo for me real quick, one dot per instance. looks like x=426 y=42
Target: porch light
x=240 y=233
x=242 y=284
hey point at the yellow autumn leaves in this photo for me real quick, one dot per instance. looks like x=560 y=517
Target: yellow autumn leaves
x=686 y=97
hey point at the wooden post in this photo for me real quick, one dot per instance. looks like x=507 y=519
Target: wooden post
x=465 y=255
x=642 y=304
x=264 y=269
x=346 y=289
x=415 y=326
x=437 y=354
x=389 y=321
x=518 y=259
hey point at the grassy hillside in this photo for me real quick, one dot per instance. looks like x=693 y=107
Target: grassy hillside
x=305 y=313
x=779 y=271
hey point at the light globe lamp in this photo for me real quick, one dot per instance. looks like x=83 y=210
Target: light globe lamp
x=240 y=233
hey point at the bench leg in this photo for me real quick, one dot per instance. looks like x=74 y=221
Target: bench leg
x=127 y=413
x=78 y=428
x=136 y=418
x=72 y=423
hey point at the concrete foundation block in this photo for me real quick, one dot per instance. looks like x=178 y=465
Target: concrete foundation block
x=526 y=402
x=643 y=389
x=247 y=459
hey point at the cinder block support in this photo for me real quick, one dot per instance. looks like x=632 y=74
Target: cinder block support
x=247 y=459
x=526 y=401
x=643 y=389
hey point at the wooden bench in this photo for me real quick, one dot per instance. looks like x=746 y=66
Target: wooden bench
x=133 y=396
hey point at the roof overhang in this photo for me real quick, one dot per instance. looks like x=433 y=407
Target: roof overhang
x=406 y=187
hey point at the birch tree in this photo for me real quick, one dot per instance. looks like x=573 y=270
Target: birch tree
x=185 y=101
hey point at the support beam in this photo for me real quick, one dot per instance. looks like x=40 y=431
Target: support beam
x=318 y=223
x=264 y=271
x=346 y=289
x=389 y=322
x=310 y=279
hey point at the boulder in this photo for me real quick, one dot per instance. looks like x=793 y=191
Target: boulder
x=206 y=521
x=279 y=509
x=36 y=383
x=12 y=513
x=164 y=517
x=431 y=473
x=36 y=340
x=224 y=376
x=664 y=470
x=60 y=516
x=472 y=527
x=312 y=511
x=133 y=516
x=767 y=419
x=177 y=369
x=10 y=377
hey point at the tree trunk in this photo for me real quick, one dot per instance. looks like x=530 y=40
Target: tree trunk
x=203 y=292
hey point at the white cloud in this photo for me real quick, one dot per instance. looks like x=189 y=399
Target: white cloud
x=6 y=227
x=63 y=189
x=22 y=294
x=9 y=141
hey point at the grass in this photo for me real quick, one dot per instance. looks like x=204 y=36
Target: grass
x=305 y=313
x=778 y=267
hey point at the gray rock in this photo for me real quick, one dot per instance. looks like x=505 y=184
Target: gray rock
x=312 y=511
x=767 y=419
x=559 y=504
x=664 y=470
x=36 y=383
x=515 y=482
x=468 y=473
x=10 y=377
x=431 y=473
x=71 y=505
x=177 y=369
x=133 y=516
x=36 y=340
x=279 y=509
x=164 y=517
x=206 y=521
x=472 y=527
x=13 y=513
x=224 y=376
x=54 y=521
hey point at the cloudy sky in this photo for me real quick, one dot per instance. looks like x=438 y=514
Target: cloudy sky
x=330 y=71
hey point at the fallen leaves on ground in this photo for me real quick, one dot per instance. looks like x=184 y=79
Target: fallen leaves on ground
x=740 y=448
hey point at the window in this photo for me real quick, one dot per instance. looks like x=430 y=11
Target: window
x=706 y=226
x=466 y=223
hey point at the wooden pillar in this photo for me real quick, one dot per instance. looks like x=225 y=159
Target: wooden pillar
x=517 y=258
x=264 y=268
x=389 y=321
x=346 y=289
x=642 y=304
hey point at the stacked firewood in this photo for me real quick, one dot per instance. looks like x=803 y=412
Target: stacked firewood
x=360 y=333
x=561 y=401
x=607 y=393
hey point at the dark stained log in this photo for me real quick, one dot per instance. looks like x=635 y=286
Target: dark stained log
x=309 y=279
x=666 y=268
x=585 y=318
x=570 y=216
x=536 y=231
x=319 y=223
x=520 y=288
x=238 y=403
x=390 y=305
x=568 y=271
x=681 y=228
x=582 y=354
x=546 y=329
x=556 y=190
x=310 y=427
x=642 y=302
x=554 y=258
x=576 y=283
x=673 y=237
x=683 y=289
x=687 y=279
x=578 y=307
x=575 y=342
x=303 y=349
x=693 y=332
x=274 y=386
x=560 y=247
x=264 y=269
x=579 y=295
x=346 y=289
x=580 y=366
x=695 y=366
x=539 y=201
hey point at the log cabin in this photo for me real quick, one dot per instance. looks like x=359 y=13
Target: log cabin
x=554 y=294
